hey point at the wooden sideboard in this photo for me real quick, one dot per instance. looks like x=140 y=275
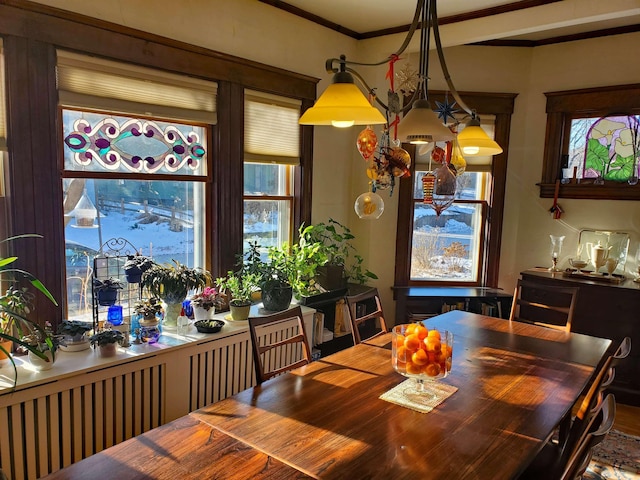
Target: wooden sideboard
x=608 y=310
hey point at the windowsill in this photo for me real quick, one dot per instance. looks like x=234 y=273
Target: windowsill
x=608 y=191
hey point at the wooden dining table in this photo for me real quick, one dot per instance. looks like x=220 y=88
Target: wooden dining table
x=515 y=383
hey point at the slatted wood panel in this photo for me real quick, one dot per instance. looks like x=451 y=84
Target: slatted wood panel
x=76 y=420
x=284 y=355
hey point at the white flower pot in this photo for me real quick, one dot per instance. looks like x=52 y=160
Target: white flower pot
x=39 y=364
x=200 y=313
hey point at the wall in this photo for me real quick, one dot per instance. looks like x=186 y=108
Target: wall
x=262 y=33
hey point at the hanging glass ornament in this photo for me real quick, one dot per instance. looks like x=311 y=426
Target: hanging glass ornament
x=438 y=154
x=369 y=205
x=457 y=159
x=444 y=189
x=367 y=142
x=428 y=182
x=399 y=162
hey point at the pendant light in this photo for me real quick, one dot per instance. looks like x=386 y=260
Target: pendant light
x=342 y=104
x=474 y=141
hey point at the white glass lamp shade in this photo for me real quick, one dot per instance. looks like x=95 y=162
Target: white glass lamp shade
x=474 y=141
x=369 y=206
x=422 y=125
x=342 y=105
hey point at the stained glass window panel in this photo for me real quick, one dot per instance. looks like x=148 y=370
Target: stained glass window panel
x=100 y=142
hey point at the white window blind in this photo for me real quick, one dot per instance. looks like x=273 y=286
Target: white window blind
x=90 y=82
x=474 y=164
x=3 y=103
x=271 y=129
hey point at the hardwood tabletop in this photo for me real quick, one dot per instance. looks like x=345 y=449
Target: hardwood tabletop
x=515 y=382
x=183 y=449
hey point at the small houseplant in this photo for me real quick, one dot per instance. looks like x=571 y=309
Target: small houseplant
x=171 y=283
x=44 y=342
x=239 y=285
x=106 y=290
x=106 y=340
x=14 y=324
x=148 y=308
x=135 y=266
x=205 y=303
x=73 y=334
x=343 y=263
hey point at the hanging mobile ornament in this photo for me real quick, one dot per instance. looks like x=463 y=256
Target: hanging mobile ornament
x=367 y=142
x=428 y=182
x=457 y=159
x=369 y=205
x=444 y=190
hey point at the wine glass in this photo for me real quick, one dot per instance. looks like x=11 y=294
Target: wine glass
x=423 y=355
x=556 y=248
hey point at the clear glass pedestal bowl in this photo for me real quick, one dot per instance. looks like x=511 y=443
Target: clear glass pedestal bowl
x=422 y=354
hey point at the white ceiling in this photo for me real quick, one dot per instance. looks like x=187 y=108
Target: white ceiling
x=538 y=22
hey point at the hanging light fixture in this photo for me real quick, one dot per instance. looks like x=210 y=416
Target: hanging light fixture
x=420 y=124
x=85 y=212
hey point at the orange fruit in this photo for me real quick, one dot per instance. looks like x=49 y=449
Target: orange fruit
x=420 y=357
x=434 y=334
x=412 y=342
x=433 y=370
x=421 y=331
x=401 y=354
x=433 y=344
x=413 y=369
x=409 y=329
x=399 y=340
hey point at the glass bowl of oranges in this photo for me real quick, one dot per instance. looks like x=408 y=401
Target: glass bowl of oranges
x=423 y=355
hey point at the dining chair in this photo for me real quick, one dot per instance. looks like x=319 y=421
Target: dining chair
x=570 y=461
x=279 y=343
x=546 y=305
x=577 y=460
x=362 y=308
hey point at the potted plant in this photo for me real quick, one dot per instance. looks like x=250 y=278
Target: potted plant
x=204 y=304
x=149 y=309
x=106 y=290
x=171 y=283
x=73 y=334
x=239 y=285
x=14 y=324
x=41 y=342
x=135 y=266
x=342 y=261
x=106 y=340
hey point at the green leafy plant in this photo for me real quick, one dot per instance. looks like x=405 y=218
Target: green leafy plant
x=335 y=240
x=239 y=285
x=148 y=308
x=73 y=328
x=107 y=284
x=14 y=308
x=106 y=337
x=172 y=282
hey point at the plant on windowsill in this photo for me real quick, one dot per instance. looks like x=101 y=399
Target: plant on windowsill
x=172 y=282
x=106 y=340
x=14 y=324
x=239 y=285
x=73 y=334
x=135 y=266
x=107 y=290
x=205 y=303
x=343 y=263
x=149 y=309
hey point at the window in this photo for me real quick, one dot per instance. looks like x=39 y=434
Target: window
x=594 y=133
x=462 y=245
x=448 y=247
x=139 y=175
x=271 y=155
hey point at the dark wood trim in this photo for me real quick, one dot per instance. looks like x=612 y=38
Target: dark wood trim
x=88 y=35
x=561 y=108
x=229 y=185
x=462 y=17
x=605 y=32
x=33 y=188
x=501 y=105
x=304 y=190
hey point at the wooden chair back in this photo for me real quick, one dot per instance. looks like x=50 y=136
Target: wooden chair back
x=545 y=305
x=279 y=343
x=362 y=308
x=577 y=457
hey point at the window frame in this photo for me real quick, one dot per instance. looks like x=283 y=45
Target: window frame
x=562 y=108
x=501 y=105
